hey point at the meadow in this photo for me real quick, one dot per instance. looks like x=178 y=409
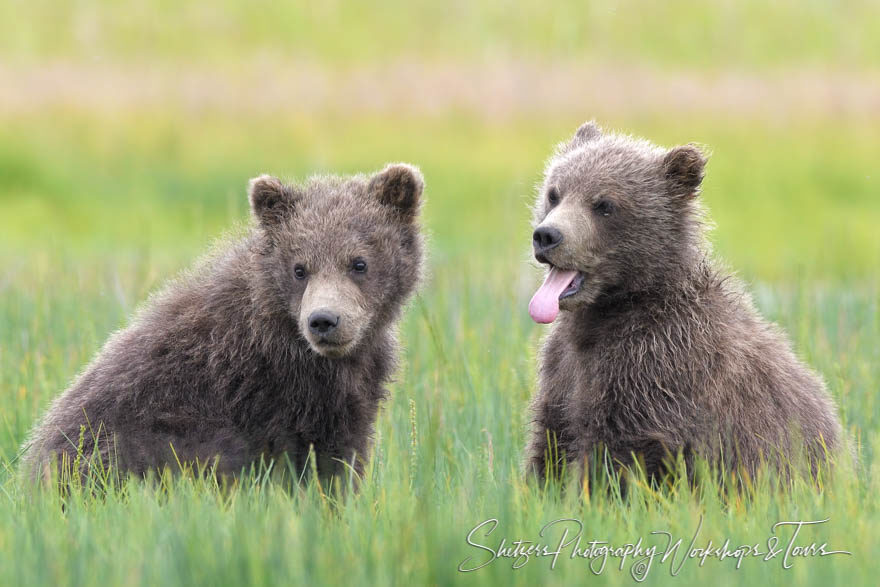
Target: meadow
x=101 y=203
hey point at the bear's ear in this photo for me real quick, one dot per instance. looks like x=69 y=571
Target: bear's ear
x=399 y=186
x=271 y=201
x=684 y=168
x=588 y=131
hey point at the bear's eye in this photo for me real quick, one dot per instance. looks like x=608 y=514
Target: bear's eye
x=359 y=265
x=299 y=272
x=553 y=196
x=603 y=208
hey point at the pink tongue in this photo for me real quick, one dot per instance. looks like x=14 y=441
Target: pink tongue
x=545 y=303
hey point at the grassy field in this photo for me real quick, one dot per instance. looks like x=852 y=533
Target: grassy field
x=671 y=34
x=98 y=208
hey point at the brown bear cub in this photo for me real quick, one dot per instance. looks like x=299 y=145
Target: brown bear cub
x=655 y=351
x=281 y=341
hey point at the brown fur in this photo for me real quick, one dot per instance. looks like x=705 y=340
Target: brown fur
x=221 y=364
x=659 y=352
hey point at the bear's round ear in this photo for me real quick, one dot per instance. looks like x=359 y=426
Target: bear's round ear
x=399 y=186
x=683 y=169
x=588 y=131
x=271 y=201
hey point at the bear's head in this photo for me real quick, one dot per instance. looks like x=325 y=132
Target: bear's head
x=339 y=256
x=614 y=215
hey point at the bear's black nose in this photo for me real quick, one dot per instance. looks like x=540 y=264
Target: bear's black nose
x=546 y=238
x=322 y=322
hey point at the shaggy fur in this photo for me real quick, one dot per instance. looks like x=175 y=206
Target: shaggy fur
x=658 y=352
x=222 y=364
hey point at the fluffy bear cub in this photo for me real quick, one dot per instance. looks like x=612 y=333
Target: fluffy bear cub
x=280 y=341
x=653 y=350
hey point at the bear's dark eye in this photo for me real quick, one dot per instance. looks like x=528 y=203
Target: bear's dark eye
x=603 y=208
x=553 y=196
x=359 y=265
x=299 y=272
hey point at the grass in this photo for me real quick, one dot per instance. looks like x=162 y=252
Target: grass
x=725 y=33
x=99 y=208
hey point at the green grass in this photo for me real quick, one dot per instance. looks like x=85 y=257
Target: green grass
x=675 y=33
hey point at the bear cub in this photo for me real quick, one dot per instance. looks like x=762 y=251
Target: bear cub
x=654 y=351
x=279 y=343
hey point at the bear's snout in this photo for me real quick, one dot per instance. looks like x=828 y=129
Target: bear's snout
x=333 y=314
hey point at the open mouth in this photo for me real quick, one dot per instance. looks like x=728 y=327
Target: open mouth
x=574 y=286
x=558 y=285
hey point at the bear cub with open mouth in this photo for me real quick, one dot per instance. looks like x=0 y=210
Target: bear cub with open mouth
x=280 y=341
x=653 y=350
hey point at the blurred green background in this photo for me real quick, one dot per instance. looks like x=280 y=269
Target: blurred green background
x=128 y=131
